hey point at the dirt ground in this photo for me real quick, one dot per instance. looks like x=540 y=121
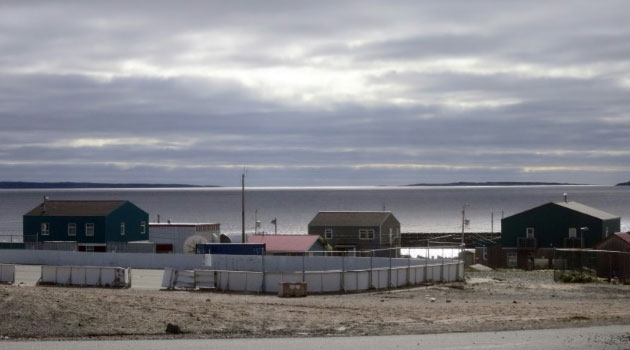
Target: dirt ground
x=489 y=301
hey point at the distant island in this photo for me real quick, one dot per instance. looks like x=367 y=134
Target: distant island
x=623 y=184
x=506 y=183
x=36 y=185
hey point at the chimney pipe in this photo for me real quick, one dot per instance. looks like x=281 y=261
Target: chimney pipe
x=566 y=198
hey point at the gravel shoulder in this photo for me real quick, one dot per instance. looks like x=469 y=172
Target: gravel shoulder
x=489 y=301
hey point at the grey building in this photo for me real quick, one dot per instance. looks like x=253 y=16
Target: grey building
x=358 y=230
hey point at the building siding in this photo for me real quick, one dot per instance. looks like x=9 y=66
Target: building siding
x=106 y=228
x=551 y=225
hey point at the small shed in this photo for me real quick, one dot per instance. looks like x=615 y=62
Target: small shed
x=291 y=244
x=172 y=237
x=614 y=258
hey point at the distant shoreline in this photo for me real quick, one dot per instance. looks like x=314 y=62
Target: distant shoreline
x=72 y=185
x=499 y=184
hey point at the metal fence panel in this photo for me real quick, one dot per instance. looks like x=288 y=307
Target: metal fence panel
x=7 y=273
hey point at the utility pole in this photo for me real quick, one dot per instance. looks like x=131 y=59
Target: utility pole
x=275 y=226
x=243 y=207
x=463 y=222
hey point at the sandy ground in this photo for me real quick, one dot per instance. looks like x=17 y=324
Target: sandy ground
x=489 y=301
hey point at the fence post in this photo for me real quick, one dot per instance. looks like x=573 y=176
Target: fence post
x=426 y=264
x=389 y=274
x=409 y=267
x=371 y=269
x=442 y=267
x=263 y=286
x=343 y=272
x=303 y=257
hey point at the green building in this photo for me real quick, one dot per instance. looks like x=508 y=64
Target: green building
x=534 y=233
x=90 y=224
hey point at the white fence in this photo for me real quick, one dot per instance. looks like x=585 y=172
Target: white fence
x=132 y=260
x=7 y=274
x=317 y=281
x=92 y=276
x=256 y=263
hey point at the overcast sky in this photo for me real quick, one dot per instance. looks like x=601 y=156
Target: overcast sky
x=315 y=93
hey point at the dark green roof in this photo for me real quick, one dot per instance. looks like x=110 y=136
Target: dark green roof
x=76 y=208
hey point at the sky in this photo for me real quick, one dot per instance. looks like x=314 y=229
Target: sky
x=315 y=93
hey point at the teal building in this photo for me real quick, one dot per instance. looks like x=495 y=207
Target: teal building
x=89 y=223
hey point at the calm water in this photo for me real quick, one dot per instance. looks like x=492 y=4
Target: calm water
x=419 y=209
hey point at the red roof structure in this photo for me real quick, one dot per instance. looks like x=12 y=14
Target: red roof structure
x=285 y=243
x=618 y=241
x=625 y=236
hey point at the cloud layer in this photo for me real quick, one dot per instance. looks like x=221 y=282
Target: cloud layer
x=322 y=93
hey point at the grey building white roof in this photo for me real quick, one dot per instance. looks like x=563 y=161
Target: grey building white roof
x=350 y=218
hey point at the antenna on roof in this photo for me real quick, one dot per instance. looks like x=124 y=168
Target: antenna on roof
x=566 y=197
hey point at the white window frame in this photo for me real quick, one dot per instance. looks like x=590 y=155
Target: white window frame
x=72 y=229
x=122 y=228
x=143 y=227
x=366 y=234
x=572 y=232
x=45 y=228
x=328 y=233
x=529 y=232
x=89 y=229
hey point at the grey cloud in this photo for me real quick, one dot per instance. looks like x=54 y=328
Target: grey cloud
x=62 y=79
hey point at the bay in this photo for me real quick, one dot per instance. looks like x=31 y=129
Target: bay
x=419 y=209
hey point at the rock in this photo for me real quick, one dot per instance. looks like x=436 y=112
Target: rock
x=173 y=329
x=514 y=302
x=432 y=300
x=479 y=267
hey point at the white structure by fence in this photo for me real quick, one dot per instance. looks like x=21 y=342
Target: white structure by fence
x=7 y=273
x=332 y=281
x=89 y=276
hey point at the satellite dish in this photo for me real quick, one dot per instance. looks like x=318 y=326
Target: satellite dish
x=190 y=244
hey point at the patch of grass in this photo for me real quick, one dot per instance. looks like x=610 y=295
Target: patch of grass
x=577 y=277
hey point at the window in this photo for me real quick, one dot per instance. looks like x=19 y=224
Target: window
x=122 y=228
x=366 y=234
x=572 y=232
x=89 y=229
x=530 y=232
x=328 y=233
x=45 y=229
x=143 y=227
x=511 y=259
x=72 y=229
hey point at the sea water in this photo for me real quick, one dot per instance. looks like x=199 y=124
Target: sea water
x=419 y=209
